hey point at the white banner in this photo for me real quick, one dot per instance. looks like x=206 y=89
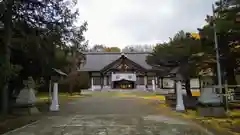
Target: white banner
x=129 y=77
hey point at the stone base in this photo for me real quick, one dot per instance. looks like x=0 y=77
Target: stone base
x=212 y=111
x=54 y=108
x=180 y=111
x=180 y=108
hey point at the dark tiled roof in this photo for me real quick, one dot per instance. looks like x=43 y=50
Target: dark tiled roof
x=98 y=60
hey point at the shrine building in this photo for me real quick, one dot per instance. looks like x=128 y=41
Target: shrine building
x=111 y=70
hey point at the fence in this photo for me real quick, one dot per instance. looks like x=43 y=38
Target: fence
x=231 y=94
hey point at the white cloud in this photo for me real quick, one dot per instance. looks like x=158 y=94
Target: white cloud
x=124 y=22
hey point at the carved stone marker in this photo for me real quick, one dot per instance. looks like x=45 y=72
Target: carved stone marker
x=180 y=105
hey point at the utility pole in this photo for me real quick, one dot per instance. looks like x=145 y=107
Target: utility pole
x=217 y=51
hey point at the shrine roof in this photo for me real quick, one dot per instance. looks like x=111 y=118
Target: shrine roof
x=95 y=61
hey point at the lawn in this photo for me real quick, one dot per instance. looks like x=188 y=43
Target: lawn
x=133 y=94
x=143 y=95
x=63 y=97
x=229 y=125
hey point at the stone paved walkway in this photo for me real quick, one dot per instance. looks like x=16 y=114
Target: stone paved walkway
x=109 y=116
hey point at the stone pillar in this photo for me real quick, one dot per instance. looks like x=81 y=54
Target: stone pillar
x=180 y=105
x=54 y=105
x=92 y=84
x=145 y=82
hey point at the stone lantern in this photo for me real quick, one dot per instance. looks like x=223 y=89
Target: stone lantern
x=27 y=98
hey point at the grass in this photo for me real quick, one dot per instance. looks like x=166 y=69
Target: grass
x=143 y=95
x=63 y=97
x=121 y=94
x=133 y=94
x=229 y=125
x=221 y=126
x=104 y=93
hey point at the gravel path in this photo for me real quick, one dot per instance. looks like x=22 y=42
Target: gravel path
x=106 y=115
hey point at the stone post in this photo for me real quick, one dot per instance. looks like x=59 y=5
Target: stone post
x=180 y=105
x=55 y=106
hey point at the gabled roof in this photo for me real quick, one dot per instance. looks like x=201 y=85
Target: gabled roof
x=123 y=59
x=95 y=61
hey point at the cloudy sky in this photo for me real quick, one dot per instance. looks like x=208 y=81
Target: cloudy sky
x=128 y=22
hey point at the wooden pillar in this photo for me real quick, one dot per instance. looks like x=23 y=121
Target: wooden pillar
x=145 y=82
x=101 y=80
x=104 y=80
x=136 y=82
x=91 y=81
x=175 y=87
x=162 y=83
x=156 y=81
x=111 y=81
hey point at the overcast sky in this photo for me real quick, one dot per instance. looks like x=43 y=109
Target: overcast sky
x=128 y=22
